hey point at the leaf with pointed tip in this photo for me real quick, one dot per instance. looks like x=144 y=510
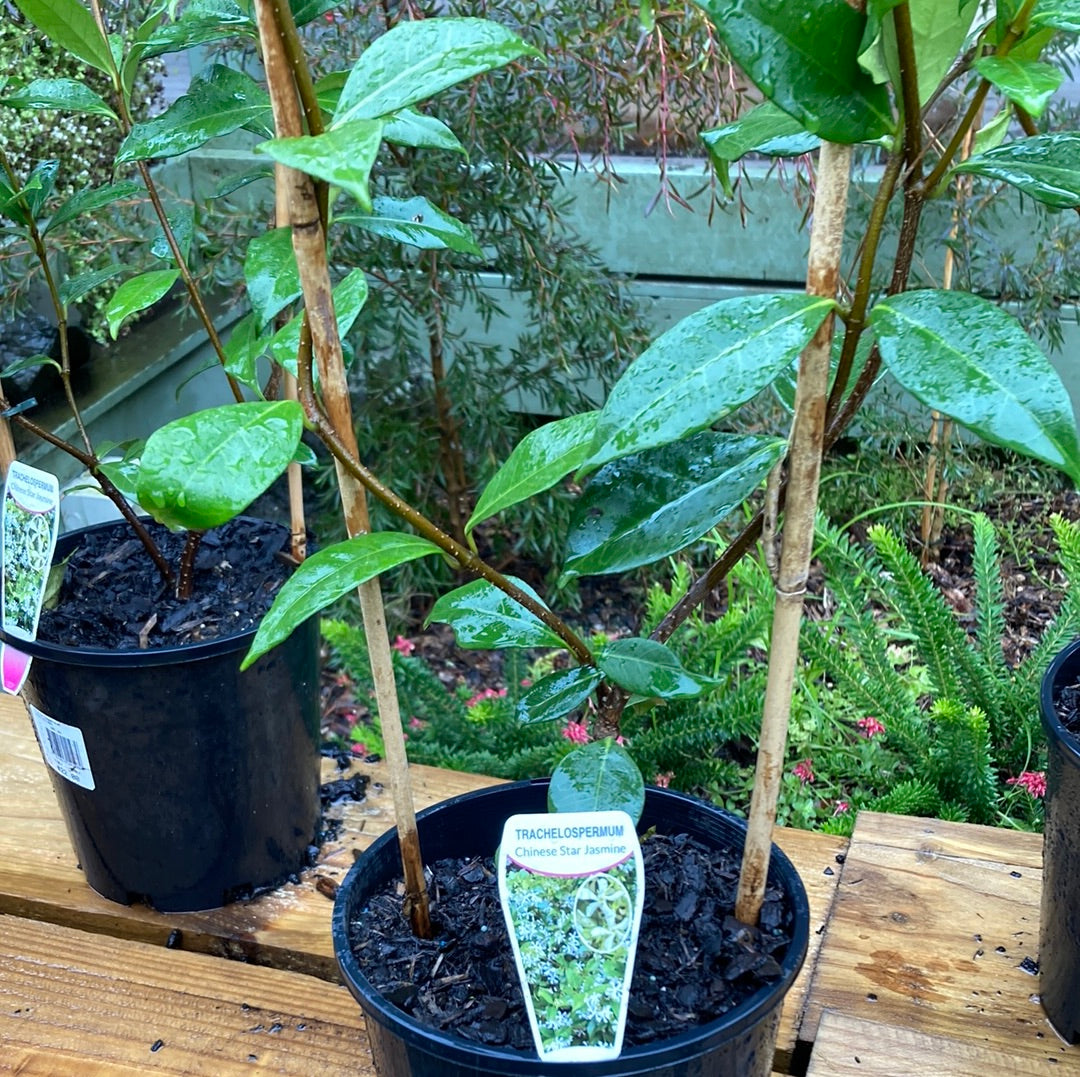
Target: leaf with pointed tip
x=557 y=694
x=1027 y=83
x=342 y=155
x=218 y=102
x=29 y=363
x=182 y=225
x=411 y=128
x=271 y=274
x=137 y=294
x=200 y=23
x=416 y=60
x=1060 y=15
x=969 y=359
x=235 y=180
x=242 y=351
x=74 y=288
x=69 y=25
x=702 y=369
x=328 y=575
x=1046 y=167
x=600 y=776
x=992 y=134
x=646 y=668
x=414 y=221
x=538 y=461
x=643 y=507
x=350 y=295
x=39 y=185
x=69 y=95
x=92 y=198
x=486 y=618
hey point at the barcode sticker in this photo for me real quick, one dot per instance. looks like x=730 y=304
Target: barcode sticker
x=63 y=748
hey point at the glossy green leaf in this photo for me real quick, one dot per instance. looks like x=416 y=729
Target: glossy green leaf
x=73 y=289
x=69 y=95
x=200 y=23
x=350 y=295
x=123 y=474
x=646 y=668
x=328 y=575
x=304 y=11
x=9 y=205
x=598 y=777
x=969 y=359
x=804 y=57
x=39 y=185
x=411 y=128
x=271 y=274
x=992 y=134
x=1045 y=167
x=137 y=294
x=1061 y=15
x=235 y=180
x=69 y=25
x=702 y=369
x=92 y=198
x=538 y=461
x=765 y=129
x=198 y=472
x=416 y=60
x=218 y=102
x=414 y=221
x=557 y=694
x=484 y=617
x=182 y=225
x=1027 y=83
x=647 y=506
x=29 y=363
x=342 y=155
x=243 y=348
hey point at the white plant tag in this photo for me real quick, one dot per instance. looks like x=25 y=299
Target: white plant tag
x=31 y=519
x=572 y=888
x=63 y=748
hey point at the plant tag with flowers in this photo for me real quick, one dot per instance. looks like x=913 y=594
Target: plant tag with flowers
x=572 y=889
x=31 y=516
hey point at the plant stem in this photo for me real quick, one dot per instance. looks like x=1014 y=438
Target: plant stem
x=804 y=470
x=185 y=584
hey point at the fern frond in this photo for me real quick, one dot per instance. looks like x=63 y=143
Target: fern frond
x=1067 y=533
x=852 y=572
x=989 y=595
x=961 y=763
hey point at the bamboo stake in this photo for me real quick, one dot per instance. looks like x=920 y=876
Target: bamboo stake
x=804 y=469
x=309 y=246
x=7 y=448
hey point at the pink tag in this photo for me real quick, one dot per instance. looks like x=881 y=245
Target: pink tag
x=14 y=666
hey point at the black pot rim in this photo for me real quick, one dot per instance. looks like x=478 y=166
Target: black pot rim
x=653 y=1055
x=1065 y=666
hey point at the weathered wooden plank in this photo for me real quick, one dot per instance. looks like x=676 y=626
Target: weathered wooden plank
x=76 y=1002
x=847 y=1045
x=935 y=928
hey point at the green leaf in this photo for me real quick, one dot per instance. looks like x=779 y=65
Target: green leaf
x=137 y=294
x=414 y=221
x=484 y=617
x=123 y=474
x=69 y=25
x=538 y=461
x=218 y=102
x=598 y=777
x=646 y=668
x=969 y=359
x=304 y=11
x=411 y=128
x=74 y=288
x=342 y=155
x=198 y=472
x=557 y=694
x=992 y=134
x=92 y=198
x=1027 y=83
x=644 y=507
x=765 y=129
x=235 y=180
x=1063 y=15
x=702 y=369
x=182 y=224
x=416 y=60
x=70 y=95
x=804 y=57
x=29 y=363
x=242 y=352
x=328 y=575
x=200 y=23
x=271 y=274
x=1045 y=167
x=39 y=185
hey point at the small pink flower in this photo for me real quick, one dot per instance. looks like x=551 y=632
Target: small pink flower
x=1034 y=781
x=620 y=740
x=870 y=727
x=842 y=808
x=403 y=646
x=576 y=733
x=664 y=780
x=360 y=749
x=416 y=723
x=804 y=771
x=525 y=682
x=486 y=693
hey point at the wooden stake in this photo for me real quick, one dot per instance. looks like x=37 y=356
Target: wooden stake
x=804 y=470
x=7 y=448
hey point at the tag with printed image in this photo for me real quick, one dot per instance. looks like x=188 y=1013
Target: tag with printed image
x=572 y=888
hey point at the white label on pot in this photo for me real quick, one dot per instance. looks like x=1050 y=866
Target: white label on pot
x=63 y=748
x=572 y=888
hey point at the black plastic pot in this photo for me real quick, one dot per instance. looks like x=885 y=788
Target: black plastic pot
x=1059 y=933
x=206 y=779
x=740 y=1044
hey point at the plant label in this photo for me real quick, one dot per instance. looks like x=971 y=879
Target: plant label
x=31 y=518
x=572 y=888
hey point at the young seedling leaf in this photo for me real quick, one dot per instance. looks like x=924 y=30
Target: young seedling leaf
x=416 y=60
x=646 y=668
x=482 y=616
x=969 y=359
x=598 y=777
x=1045 y=167
x=414 y=221
x=644 y=507
x=69 y=25
x=557 y=694
x=1027 y=83
x=137 y=294
x=270 y=272
x=92 y=198
x=198 y=472
x=538 y=461
x=68 y=95
x=328 y=575
x=702 y=369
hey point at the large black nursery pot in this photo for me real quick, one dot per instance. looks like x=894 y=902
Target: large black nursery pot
x=740 y=1044
x=1059 y=934
x=205 y=779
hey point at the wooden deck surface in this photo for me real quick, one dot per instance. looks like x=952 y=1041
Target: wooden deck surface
x=918 y=932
